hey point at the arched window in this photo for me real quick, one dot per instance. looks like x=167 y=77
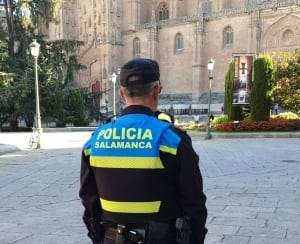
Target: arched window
x=178 y=43
x=288 y=36
x=227 y=36
x=163 y=11
x=136 y=47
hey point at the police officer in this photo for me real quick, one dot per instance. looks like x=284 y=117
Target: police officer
x=140 y=171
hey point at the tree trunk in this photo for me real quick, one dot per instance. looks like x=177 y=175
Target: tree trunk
x=10 y=25
x=13 y=124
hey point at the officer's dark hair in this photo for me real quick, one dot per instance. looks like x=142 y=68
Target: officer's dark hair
x=139 y=90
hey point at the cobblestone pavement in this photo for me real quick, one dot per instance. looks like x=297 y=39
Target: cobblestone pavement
x=252 y=188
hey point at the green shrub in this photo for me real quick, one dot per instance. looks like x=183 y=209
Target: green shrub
x=237 y=112
x=221 y=119
x=274 y=124
x=271 y=125
x=286 y=115
x=248 y=117
x=190 y=126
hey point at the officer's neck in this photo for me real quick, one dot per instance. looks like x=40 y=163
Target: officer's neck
x=143 y=101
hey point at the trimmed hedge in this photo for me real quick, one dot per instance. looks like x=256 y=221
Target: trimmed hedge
x=271 y=125
x=261 y=89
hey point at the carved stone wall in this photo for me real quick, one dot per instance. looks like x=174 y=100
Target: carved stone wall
x=109 y=28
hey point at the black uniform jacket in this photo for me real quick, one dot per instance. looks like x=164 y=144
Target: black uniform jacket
x=181 y=172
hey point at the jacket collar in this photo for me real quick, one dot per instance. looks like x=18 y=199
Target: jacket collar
x=137 y=109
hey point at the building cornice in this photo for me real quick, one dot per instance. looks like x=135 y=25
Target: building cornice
x=270 y=5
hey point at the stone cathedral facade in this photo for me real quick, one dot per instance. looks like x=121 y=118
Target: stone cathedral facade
x=182 y=35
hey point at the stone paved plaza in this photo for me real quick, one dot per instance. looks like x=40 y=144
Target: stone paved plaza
x=252 y=187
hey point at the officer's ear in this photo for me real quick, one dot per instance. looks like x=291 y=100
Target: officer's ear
x=156 y=91
x=122 y=95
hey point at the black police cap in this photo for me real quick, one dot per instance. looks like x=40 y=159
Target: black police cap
x=141 y=70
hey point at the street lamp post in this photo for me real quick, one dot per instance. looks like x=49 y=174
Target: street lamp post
x=34 y=50
x=106 y=109
x=114 y=80
x=210 y=67
x=118 y=86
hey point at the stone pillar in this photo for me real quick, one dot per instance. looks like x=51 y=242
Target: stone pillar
x=198 y=72
x=153 y=37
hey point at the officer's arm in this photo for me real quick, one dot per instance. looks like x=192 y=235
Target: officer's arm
x=191 y=189
x=89 y=197
x=88 y=189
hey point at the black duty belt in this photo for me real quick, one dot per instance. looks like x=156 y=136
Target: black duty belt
x=124 y=234
x=111 y=233
x=153 y=233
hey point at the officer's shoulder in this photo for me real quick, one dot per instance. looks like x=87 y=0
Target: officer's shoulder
x=164 y=116
x=179 y=130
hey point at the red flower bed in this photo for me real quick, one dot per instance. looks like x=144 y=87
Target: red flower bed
x=271 y=125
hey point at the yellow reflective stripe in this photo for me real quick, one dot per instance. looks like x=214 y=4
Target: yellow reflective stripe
x=126 y=162
x=130 y=207
x=87 y=152
x=170 y=150
x=163 y=116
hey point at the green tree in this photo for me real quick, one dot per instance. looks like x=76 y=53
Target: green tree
x=234 y=111
x=10 y=91
x=5 y=80
x=57 y=61
x=24 y=14
x=77 y=107
x=93 y=110
x=228 y=90
x=261 y=89
x=287 y=80
x=63 y=60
